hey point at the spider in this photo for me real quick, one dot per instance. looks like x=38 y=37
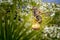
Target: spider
x=36 y=14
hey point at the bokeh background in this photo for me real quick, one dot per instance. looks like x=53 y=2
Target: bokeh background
x=17 y=20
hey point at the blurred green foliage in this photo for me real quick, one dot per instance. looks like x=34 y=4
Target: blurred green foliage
x=16 y=20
